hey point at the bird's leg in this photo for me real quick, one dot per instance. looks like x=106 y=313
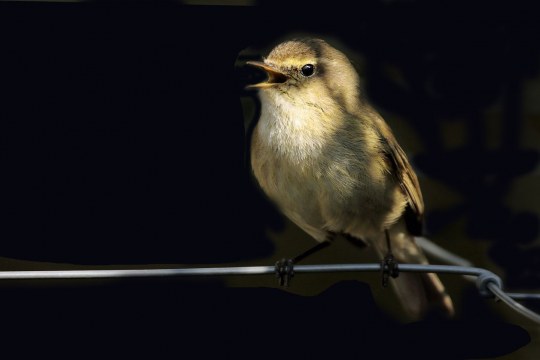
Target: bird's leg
x=284 y=268
x=311 y=251
x=389 y=265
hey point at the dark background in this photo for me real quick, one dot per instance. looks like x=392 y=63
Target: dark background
x=122 y=143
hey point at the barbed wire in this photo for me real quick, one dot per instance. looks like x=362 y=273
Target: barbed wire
x=488 y=284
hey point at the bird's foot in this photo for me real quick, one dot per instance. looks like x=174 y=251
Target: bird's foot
x=284 y=271
x=389 y=267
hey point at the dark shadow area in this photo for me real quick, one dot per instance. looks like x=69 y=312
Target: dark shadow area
x=122 y=138
x=158 y=319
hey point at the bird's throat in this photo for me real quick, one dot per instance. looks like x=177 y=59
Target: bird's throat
x=298 y=132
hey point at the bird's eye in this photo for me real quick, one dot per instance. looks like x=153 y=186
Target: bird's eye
x=308 y=70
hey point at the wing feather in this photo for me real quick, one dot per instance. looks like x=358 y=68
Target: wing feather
x=405 y=176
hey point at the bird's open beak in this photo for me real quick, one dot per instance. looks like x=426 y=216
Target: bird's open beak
x=274 y=76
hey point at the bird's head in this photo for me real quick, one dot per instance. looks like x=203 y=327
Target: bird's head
x=309 y=68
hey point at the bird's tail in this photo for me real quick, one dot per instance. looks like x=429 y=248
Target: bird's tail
x=419 y=293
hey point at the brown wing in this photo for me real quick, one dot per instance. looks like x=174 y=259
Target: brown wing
x=405 y=175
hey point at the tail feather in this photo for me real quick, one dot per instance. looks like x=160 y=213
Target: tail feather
x=419 y=293
x=422 y=293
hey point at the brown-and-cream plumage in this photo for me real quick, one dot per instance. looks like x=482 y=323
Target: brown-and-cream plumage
x=330 y=162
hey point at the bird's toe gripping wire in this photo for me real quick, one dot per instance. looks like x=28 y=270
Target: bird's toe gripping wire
x=389 y=265
x=284 y=270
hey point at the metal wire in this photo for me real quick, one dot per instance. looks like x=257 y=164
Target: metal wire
x=487 y=282
x=523 y=296
x=499 y=293
x=438 y=252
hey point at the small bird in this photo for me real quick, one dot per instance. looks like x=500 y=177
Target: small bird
x=331 y=164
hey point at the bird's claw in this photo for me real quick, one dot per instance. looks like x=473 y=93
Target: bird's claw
x=284 y=271
x=389 y=267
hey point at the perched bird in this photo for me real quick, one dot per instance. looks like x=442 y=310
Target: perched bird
x=329 y=161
